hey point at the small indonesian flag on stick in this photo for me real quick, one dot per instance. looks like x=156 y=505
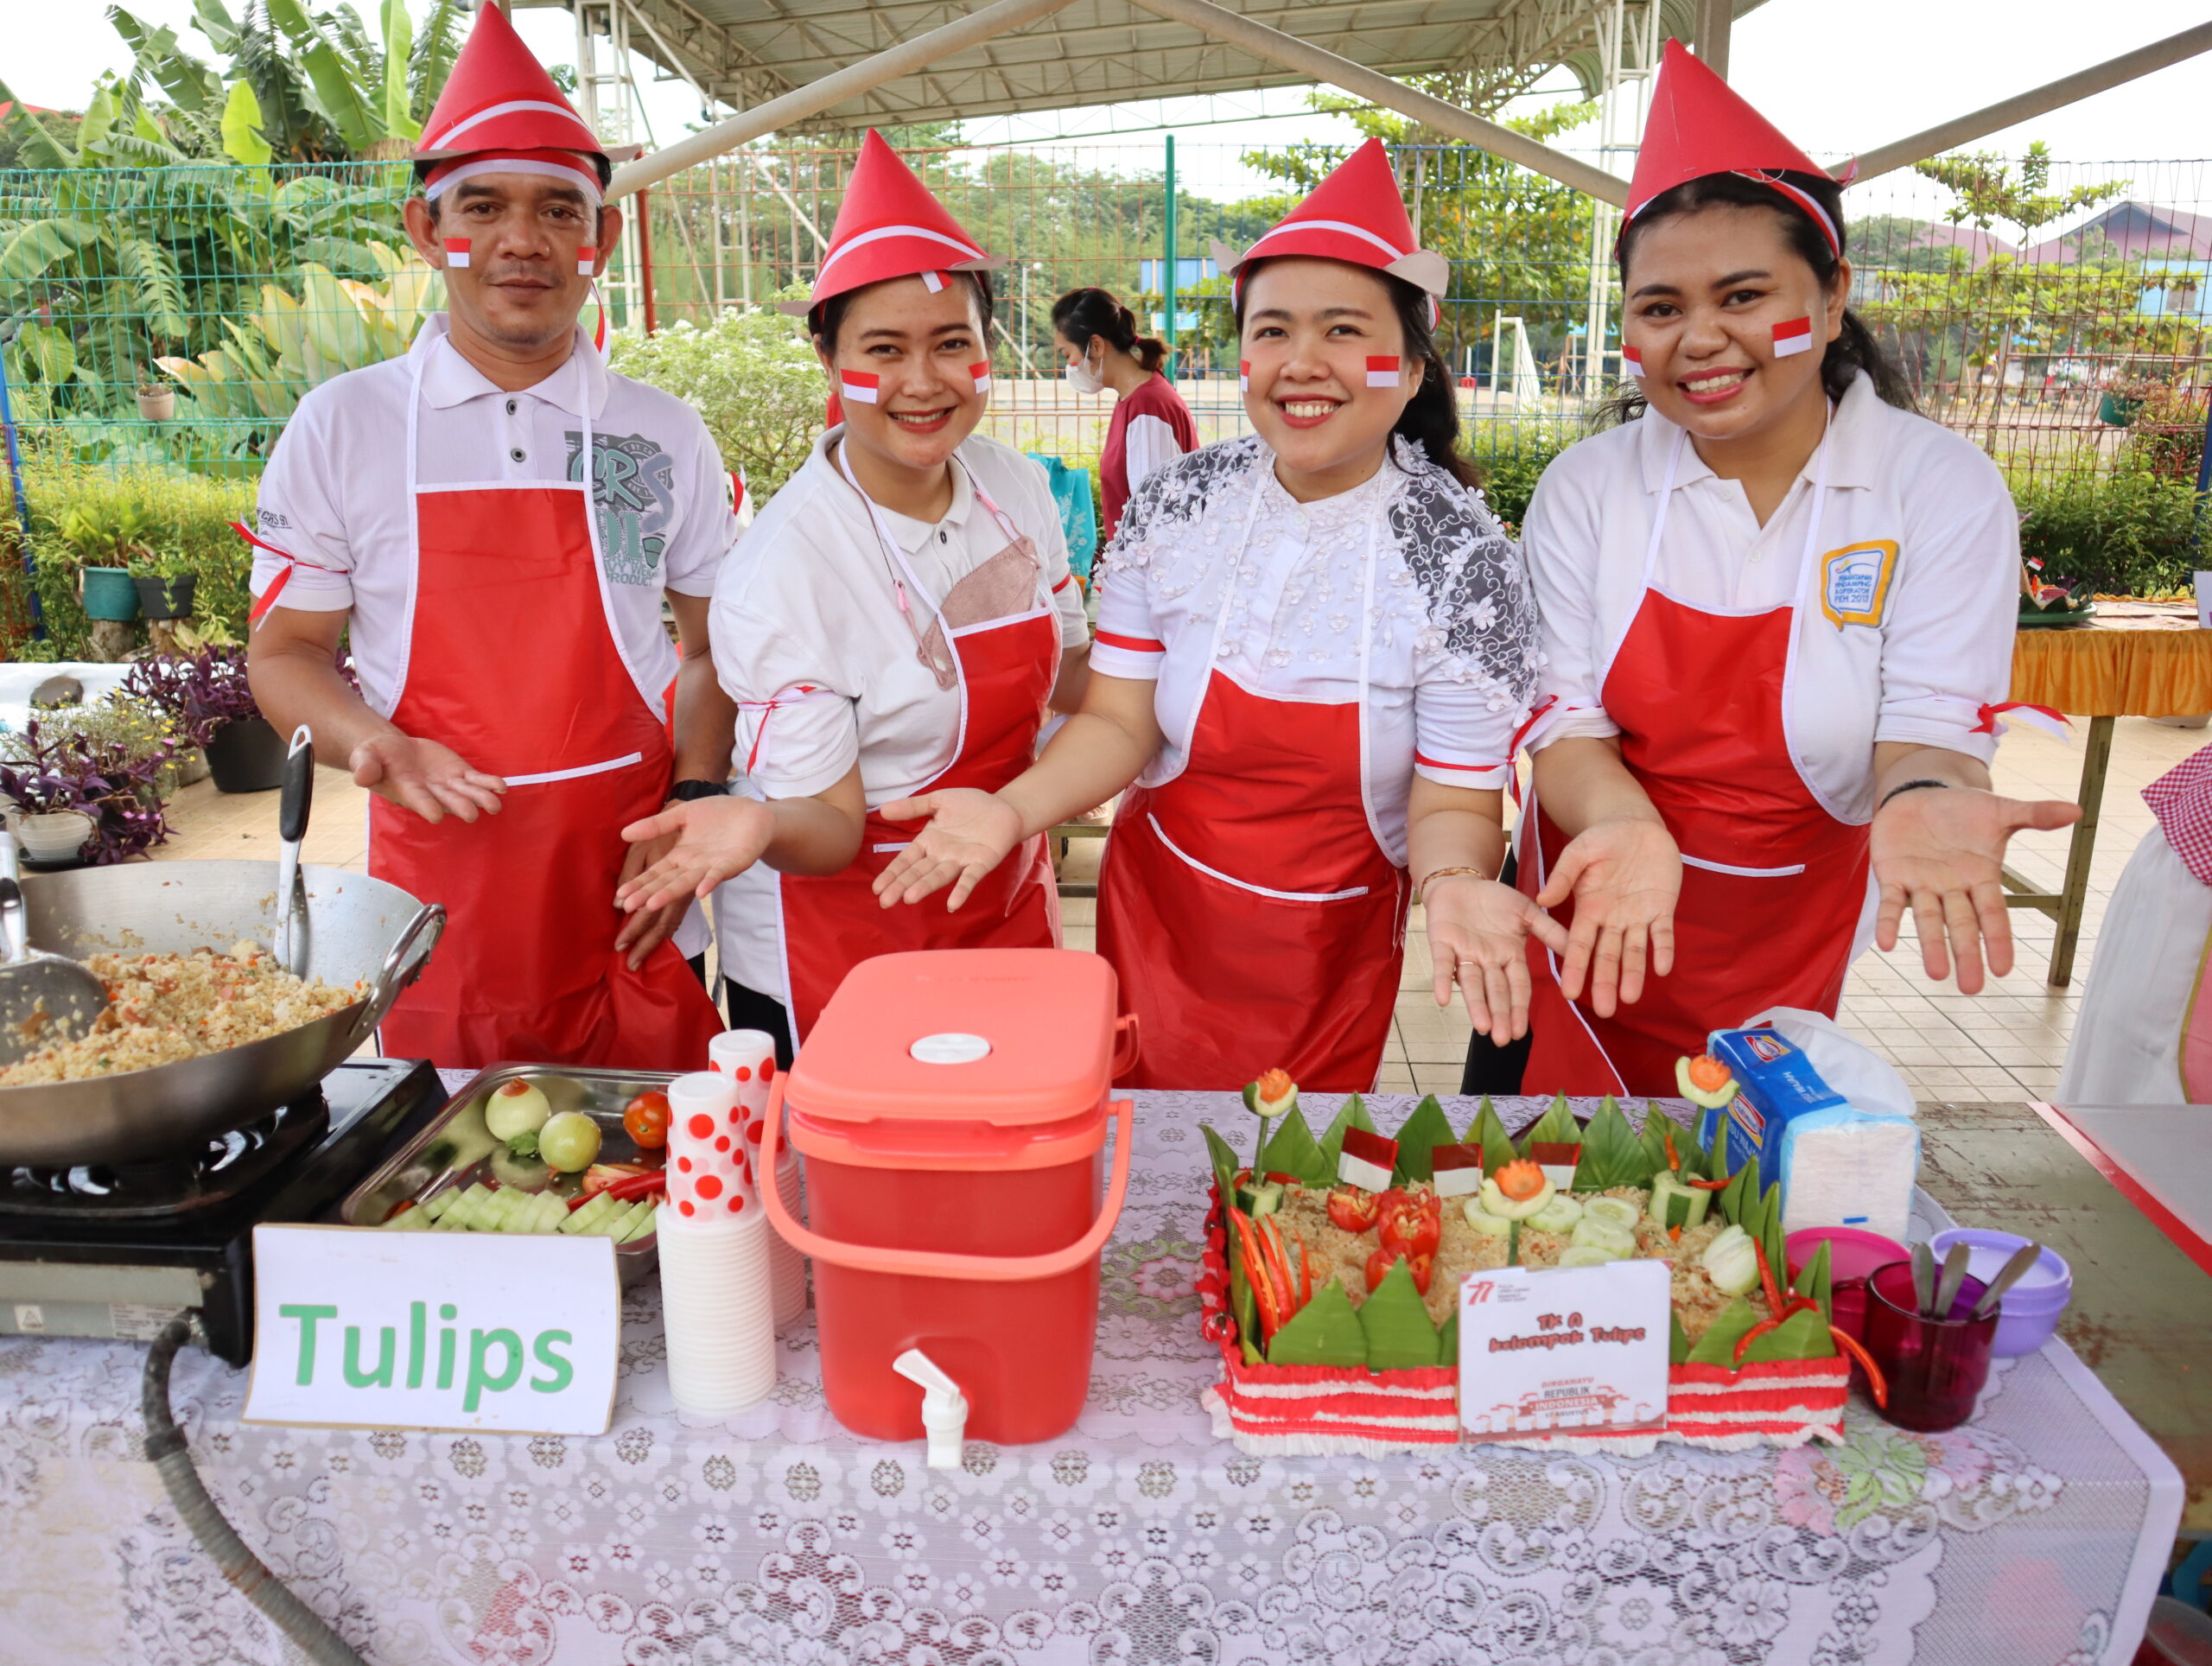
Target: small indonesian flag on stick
x=586 y=262
x=1366 y=1160
x=1382 y=372
x=1795 y=336
x=1557 y=1158
x=858 y=387
x=982 y=374
x=1632 y=362
x=456 y=251
x=1243 y=376
x=1457 y=1169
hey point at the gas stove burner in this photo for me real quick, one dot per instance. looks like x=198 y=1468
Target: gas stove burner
x=173 y=1188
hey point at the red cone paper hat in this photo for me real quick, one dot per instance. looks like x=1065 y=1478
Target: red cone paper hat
x=1355 y=215
x=889 y=225
x=1700 y=126
x=499 y=100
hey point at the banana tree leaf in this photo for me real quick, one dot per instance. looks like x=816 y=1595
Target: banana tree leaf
x=1678 y=1339
x=1816 y=1279
x=1801 y=1336
x=1658 y=1129
x=1327 y=1330
x=398 y=47
x=1556 y=1125
x=242 y=138
x=1447 y=1341
x=1488 y=1131
x=1399 y=1334
x=1612 y=1153
x=1718 y=1345
x=1772 y=1239
x=1225 y=1163
x=1425 y=1129
x=1291 y=1150
x=1352 y=1114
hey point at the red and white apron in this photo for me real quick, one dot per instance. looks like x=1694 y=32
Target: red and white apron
x=1004 y=665
x=515 y=662
x=1248 y=906
x=1773 y=883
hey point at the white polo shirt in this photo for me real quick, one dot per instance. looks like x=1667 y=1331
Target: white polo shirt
x=335 y=494
x=1907 y=628
x=807 y=598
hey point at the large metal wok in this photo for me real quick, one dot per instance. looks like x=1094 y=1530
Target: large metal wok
x=357 y=930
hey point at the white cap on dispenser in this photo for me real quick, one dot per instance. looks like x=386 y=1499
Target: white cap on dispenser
x=944 y=1408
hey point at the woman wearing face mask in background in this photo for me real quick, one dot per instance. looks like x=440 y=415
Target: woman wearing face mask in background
x=897 y=619
x=1315 y=645
x=1151 y=425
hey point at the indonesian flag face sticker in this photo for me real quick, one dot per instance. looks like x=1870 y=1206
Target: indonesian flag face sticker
x=982 y=374
x=1243 y=376
x=586 y=262
x=858 y=387
x=456 y=251
x=1795 y=336
x=1382 y=372
x=1632 y=361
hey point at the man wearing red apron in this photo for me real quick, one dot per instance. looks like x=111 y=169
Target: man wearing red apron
x=497 y=518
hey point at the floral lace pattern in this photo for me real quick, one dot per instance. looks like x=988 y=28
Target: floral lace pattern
x=777 y=1539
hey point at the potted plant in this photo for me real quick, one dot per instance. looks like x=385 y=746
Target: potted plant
x=157 y=400
x=80 y=798
x=165 y=581
x=106 y=542
x=2123 y=399
x=208 y=697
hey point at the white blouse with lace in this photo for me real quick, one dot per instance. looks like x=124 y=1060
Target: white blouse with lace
x=1405 y=585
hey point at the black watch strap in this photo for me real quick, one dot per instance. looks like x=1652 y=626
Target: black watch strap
x=685 y=792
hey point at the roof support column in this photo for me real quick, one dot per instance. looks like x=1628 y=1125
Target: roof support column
x=1714 y=18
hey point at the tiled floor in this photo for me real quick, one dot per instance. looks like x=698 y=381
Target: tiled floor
x=2006 y=1042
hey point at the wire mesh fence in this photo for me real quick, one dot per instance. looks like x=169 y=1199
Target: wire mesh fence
x=171 y=318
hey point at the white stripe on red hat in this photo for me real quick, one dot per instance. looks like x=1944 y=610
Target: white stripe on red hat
x=1632 y=361
x=586 y=262
x=858 y=387
x=1244 y=375
x=981 y=374
x=933 y=280
x=866 y=237
x=1793 y=336
x=1383 y=372
x=1344 y=226
x=445 y=140
x=456 y=251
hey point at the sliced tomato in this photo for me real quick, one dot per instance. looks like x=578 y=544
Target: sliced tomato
x=1409 y=1227
x=1423 y=1268
x=1351 y=1210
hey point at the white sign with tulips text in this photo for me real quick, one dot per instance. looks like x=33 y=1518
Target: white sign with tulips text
x=365 y=1329
x=1564 y=1348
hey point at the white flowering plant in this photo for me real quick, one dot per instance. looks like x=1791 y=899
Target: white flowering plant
x=752 y=374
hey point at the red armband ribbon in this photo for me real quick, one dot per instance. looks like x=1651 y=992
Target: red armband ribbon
x=2041 y=717
x=267 y=598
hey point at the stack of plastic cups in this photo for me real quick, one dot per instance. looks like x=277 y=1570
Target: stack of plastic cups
x=713 y=1239
x=749 y=1058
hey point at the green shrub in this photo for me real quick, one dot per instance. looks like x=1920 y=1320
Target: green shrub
x=1512 y=456
x=186 y=520
x=754 y=378
x=2126 y=533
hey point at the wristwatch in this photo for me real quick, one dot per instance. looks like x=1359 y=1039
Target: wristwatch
x=685 y=792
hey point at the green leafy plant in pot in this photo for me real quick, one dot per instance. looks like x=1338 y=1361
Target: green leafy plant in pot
x=165 y=580
x=208 y=698
x=108 y=541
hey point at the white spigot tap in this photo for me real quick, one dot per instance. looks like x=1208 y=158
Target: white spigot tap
x=944 y=1408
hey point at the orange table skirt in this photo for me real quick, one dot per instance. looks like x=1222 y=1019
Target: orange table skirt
x=2133 y=665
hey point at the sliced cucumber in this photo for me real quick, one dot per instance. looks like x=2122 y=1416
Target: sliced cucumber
x=437 y=1204
x=1483 y=1222
x=644 y=1227
x=1616 y=1212
x=1585 y=1254
x=1562 y=1214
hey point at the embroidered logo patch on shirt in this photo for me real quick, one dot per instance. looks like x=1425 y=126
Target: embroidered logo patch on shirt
x=1855 y=581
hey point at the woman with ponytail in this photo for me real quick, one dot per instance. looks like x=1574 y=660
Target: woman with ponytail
x=1778 y=611
x=1315 y=645
x=1151 y=426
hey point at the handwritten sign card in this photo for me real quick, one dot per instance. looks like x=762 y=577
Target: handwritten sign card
x=1544 y=1350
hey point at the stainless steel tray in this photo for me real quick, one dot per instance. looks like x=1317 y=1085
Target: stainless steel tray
x=454 y=1148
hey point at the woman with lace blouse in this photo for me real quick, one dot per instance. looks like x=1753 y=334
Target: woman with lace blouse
x=1315 y=647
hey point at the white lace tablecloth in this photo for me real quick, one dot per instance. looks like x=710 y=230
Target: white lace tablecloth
x=2034 y=1534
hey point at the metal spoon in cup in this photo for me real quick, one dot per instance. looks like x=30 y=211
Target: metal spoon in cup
x=1923 y=1279
x=2014 y=1269
x=1955 y=1273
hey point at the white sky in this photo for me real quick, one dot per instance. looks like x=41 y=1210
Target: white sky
x=1837 y=78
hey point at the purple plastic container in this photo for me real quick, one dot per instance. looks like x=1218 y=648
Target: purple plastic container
x=2029 y=1311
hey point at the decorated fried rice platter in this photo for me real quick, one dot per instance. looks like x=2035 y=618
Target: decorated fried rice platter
x=1335 y=1263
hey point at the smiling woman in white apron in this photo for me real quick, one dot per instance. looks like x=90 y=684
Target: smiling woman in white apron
x=1778 y=616
x=897 y=620
x=1315 y=644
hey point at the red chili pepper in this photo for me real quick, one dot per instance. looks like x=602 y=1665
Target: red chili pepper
x=1766 y=1280
x=1304 y=1274
x=638 y=1185
x=1271 y=1246
x=1256 y=1274
x=1673 y=1162
x=1851 y=1345
x=1707 y=1186
x=1744 y=1345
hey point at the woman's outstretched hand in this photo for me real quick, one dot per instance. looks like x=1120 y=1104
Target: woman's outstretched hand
x=1940 y=851
x=968 y=833
x=1624 y=874
x=713 y=839
x=1477 y=938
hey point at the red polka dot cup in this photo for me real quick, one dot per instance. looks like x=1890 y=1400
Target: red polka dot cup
x=748 y=1058
x=709 y=1163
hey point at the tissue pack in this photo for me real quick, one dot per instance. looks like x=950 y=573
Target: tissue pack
x=1838 y=1165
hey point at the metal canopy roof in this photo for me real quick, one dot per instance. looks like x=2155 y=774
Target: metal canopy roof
x=745 y=52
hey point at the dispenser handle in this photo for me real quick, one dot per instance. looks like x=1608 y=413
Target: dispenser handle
x=935 y=1264
x=1125 y=1046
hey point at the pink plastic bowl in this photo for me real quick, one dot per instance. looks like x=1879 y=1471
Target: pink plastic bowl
x=1853 y=1254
